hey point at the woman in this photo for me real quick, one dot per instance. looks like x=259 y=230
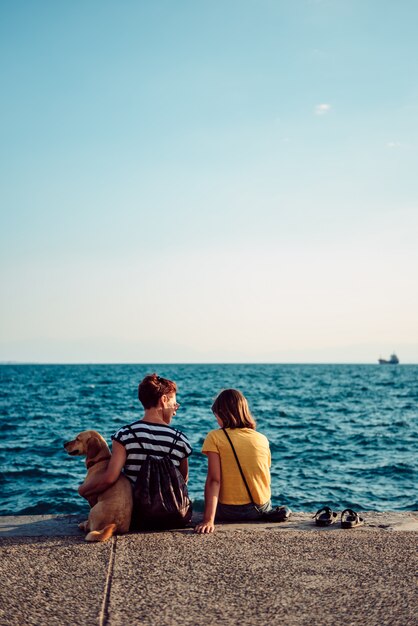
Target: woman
x=226 y=495
x=151 y=436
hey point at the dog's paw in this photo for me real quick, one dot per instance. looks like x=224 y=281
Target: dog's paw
x=84 y=526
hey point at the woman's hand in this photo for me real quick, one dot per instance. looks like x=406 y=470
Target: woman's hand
x=205 y=527
x=92 y=500
x=82 y=491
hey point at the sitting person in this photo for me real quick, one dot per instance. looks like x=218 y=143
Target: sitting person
x=151 y=436
x=226 y=494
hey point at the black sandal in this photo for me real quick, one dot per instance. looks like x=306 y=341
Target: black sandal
x=325 y=516
x=351 y=520
x=277 y=514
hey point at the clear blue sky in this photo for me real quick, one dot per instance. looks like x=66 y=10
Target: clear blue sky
x=218 y=181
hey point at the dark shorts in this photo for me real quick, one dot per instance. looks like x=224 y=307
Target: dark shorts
x=240 y=512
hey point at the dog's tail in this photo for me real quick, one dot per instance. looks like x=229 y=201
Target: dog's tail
x=101 y=535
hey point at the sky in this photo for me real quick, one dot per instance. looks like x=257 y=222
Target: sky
x=189 y=181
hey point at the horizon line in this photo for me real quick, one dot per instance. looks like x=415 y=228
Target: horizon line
x=200 y=363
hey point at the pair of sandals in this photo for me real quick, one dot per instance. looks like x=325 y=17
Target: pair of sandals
x=349 y=518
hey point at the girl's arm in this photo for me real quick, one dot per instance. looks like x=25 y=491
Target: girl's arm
x=212 y=488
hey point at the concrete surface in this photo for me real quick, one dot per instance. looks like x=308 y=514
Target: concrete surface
x=292 y=573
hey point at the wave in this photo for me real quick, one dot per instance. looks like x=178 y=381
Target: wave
x=50 y=507
x=6 y=427
x=338 y=434
x=390 y=470
x=31 y=473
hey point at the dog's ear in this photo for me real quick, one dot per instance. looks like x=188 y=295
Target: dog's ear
x=93 y=447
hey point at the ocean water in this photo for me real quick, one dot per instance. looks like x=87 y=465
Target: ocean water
x=340 y=435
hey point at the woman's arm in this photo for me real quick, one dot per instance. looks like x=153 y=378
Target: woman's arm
x=212 y=488
x=184 y=469
x=102 y=480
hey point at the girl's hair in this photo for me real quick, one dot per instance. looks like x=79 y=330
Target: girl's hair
x=232 y=408
x=152 y=388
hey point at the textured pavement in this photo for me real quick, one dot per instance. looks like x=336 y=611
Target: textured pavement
x=242 y=574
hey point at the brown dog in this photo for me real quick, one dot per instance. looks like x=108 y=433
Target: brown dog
x=111 y=514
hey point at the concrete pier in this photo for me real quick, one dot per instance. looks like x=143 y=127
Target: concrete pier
x=289 y=573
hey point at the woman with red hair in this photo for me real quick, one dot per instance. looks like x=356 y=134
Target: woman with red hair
x=151 y=435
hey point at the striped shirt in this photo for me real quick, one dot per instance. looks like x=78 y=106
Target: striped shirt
x=156 y=439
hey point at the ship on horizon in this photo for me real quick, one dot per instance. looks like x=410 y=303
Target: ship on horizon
x=392 y=361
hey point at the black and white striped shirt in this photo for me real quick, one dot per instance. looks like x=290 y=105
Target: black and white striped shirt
x=156 y=439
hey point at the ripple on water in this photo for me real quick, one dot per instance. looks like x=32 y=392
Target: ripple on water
x=339 y=435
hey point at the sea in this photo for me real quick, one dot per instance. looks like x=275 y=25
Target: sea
x=340 y=435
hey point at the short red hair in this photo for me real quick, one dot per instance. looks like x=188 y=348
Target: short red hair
x=152 y=388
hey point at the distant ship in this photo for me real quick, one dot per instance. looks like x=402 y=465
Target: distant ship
x=392 y=361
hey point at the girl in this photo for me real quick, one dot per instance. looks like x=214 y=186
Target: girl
x=226 y=495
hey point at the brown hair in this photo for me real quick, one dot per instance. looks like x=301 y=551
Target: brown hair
x=152 y=388
x=232 y=408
